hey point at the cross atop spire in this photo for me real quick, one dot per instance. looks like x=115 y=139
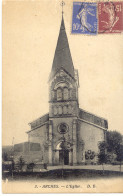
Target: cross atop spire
x=62 y=4
x=62 y=58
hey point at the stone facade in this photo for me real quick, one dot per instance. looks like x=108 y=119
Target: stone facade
x=67 y=134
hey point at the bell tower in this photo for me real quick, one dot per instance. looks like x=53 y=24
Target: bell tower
x=63 y=80
x=63 y=103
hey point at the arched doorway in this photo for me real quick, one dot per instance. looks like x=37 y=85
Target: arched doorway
x=63 y=154
x=64 y=157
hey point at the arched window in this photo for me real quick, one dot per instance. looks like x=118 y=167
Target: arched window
x=55 y=110
x=66 y=93
x=70 y=93
x=55 y=94
x=65 y=109
x=60 y=109
x=69 y=109
x=59 y=94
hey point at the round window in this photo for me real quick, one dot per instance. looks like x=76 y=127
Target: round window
x=63 y=128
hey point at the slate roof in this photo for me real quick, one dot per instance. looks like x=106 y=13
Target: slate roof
x=62 y=57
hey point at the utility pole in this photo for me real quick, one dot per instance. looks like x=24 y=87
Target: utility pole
x=12 y=155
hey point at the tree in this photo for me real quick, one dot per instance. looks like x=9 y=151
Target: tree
x=120 y=155
x=114 y=139
x=111 y=149
x=114 y=144
x=5 y=156
x=102 y=156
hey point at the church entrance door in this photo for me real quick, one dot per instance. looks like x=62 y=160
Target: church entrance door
x=60 y=157
x=64 y=157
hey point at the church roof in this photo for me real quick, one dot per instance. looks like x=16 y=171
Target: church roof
x=39 y=121
x=62 y=57
x=92 y=118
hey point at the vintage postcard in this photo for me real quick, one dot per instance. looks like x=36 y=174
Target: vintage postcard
x=62 y=129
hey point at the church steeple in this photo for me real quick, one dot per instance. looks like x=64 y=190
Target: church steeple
x=63 y=84
x=62 y=58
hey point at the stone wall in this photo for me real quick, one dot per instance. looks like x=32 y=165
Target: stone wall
x=30 y=152
x=89 y=137
x=41 y=135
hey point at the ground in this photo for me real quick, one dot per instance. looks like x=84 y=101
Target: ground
x=67 y=173
x=89 y=167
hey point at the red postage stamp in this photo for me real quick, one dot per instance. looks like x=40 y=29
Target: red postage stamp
x=110 y=17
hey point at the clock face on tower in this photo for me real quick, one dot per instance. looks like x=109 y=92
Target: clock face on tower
x=63 y=128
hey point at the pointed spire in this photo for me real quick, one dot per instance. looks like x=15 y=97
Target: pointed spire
x=62 y=58
x=62 y=4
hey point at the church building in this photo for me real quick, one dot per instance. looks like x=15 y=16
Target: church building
x=67 y=134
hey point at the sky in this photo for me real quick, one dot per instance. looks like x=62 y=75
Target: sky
x=30 y=32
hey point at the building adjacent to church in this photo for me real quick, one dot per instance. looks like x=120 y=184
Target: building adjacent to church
x=67 y=134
